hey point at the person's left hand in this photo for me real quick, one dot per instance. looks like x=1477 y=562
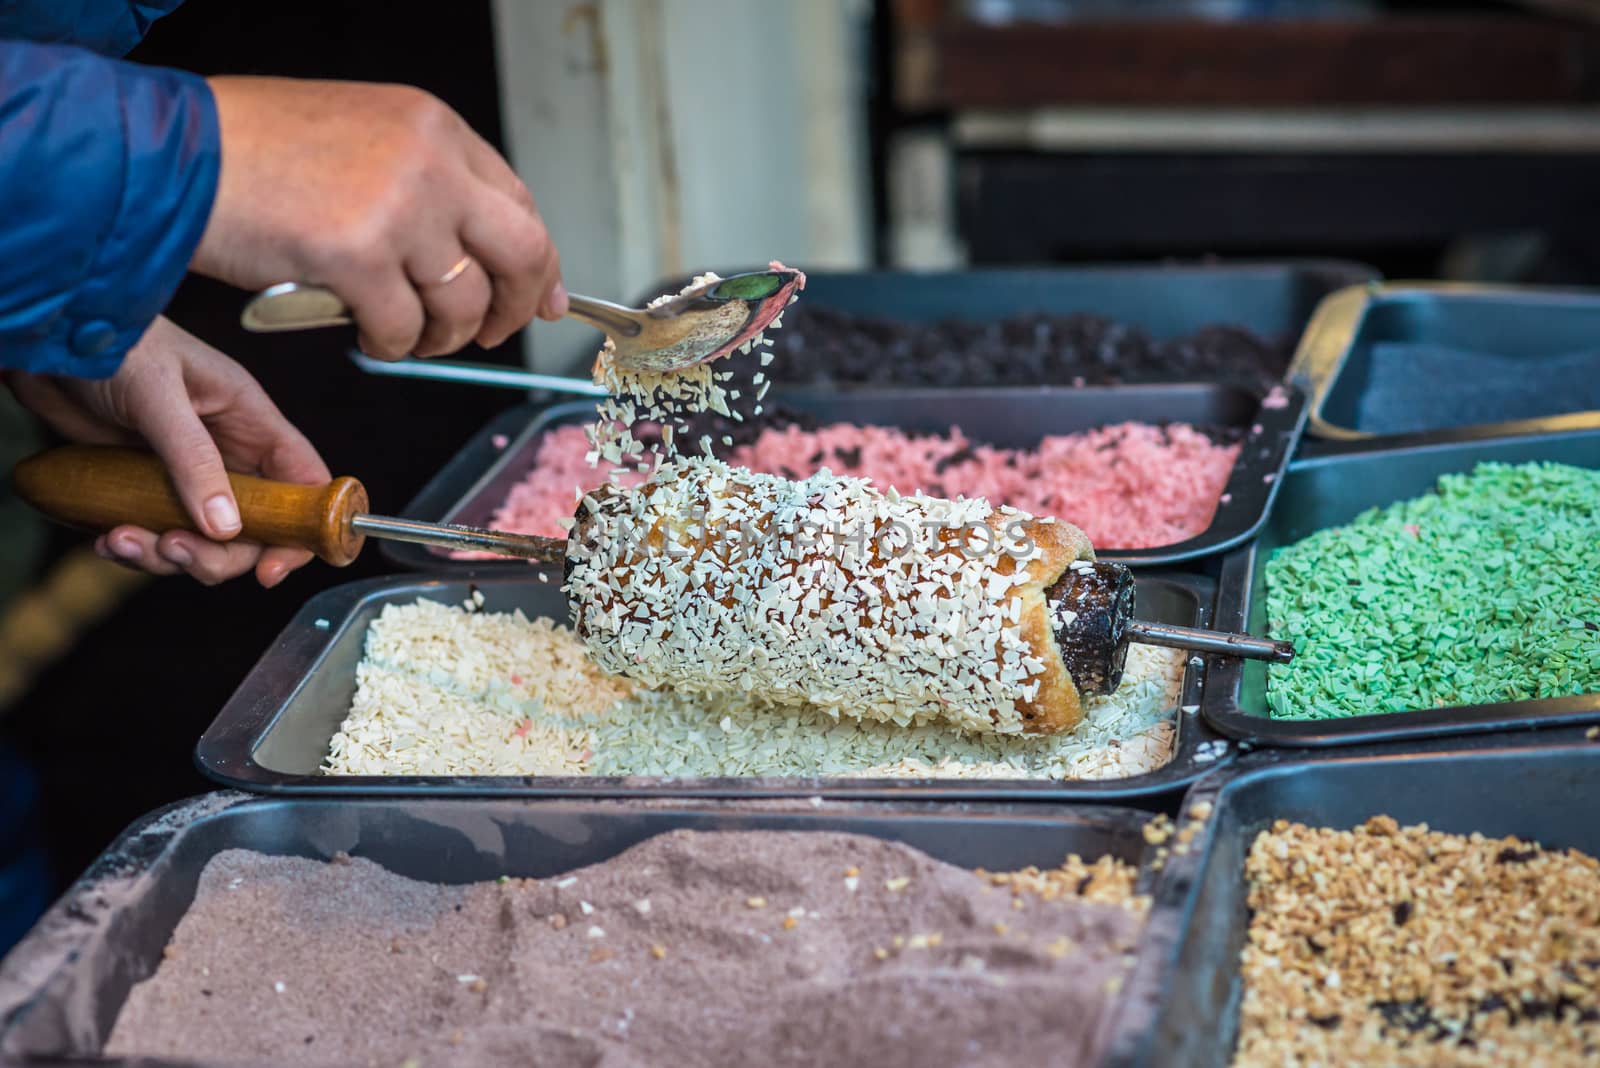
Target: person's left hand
x=204 y=415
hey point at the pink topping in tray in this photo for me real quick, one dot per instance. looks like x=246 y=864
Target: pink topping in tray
x=1129 y=486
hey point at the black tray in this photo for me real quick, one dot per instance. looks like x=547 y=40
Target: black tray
x=1334 y=362
x=1543 y=794
x=273 y=734
x=474 y=484
x=1330 y=490
x=62 y=987
x=1272 y=299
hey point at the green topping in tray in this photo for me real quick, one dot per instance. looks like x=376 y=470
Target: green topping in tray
x=1486 y=590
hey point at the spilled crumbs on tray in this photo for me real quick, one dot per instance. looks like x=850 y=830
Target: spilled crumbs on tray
x=441 y=691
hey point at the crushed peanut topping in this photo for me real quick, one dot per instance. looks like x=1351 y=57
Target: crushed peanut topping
x=1406 y=946
x=1106 y=881
x=1158 y=830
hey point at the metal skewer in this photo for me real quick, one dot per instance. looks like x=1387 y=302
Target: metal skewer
x=454 y=536
x=1210 y=641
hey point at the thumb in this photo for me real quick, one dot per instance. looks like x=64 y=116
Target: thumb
x=166 y=419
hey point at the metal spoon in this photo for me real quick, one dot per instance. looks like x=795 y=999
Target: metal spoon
x=696 y=326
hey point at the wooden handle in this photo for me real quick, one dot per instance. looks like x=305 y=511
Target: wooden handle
x=99 y=487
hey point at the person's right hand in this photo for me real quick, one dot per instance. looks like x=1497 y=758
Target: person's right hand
x=377 y=192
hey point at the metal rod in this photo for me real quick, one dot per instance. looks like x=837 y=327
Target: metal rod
x=478 y=374
x=1211 y=641
x=451 y=536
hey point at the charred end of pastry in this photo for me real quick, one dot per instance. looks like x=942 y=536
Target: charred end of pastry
x=1090 y=607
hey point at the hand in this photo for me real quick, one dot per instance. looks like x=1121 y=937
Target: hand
x=377 y=192
x=204 y=415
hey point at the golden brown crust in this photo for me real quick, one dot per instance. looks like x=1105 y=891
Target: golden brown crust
x=1058 y=706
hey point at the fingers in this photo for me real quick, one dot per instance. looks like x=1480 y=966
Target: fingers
x=161 y=409
x=493 y=169
x=207 y=562
x=387 y=308
x=136 y=548
x=46 y=398
x=455 y=302
x=515 y=249
x=276 y=564
x=182 y=552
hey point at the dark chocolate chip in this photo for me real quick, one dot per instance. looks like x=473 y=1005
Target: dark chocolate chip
x=1402 y=913
x=1515 y=856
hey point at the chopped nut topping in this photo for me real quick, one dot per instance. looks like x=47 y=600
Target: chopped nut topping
x=1158 y=830
x=1405 y=946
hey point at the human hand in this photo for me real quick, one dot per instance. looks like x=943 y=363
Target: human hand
x=378 y=192
x=204 y=415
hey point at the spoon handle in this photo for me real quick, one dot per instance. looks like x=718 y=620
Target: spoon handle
x=604 y=316
x=299 y=306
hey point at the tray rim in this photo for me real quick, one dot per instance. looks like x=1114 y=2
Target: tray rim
x=1264 y=458
x=1220 y=704
x=1331 y=332
x=225 y=752
x=73 y=918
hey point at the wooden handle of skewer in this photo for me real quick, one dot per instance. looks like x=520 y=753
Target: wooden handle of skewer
x=99 y=487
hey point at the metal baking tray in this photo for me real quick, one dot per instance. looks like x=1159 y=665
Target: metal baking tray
x=63 y=986
x=1165 y=300
x=273 y=733
x=1436 y=323
x=473 y=485
x=1331 y=490
x=1543 y=794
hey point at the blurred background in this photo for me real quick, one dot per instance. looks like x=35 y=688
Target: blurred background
x=661 y=137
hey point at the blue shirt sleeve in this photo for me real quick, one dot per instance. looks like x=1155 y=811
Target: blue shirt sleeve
x=110 y=27
x=107 y=174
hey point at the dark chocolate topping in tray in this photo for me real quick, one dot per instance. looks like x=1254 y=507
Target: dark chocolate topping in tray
x=820 y=345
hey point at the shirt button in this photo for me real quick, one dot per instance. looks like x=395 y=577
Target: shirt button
x=93 y=337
